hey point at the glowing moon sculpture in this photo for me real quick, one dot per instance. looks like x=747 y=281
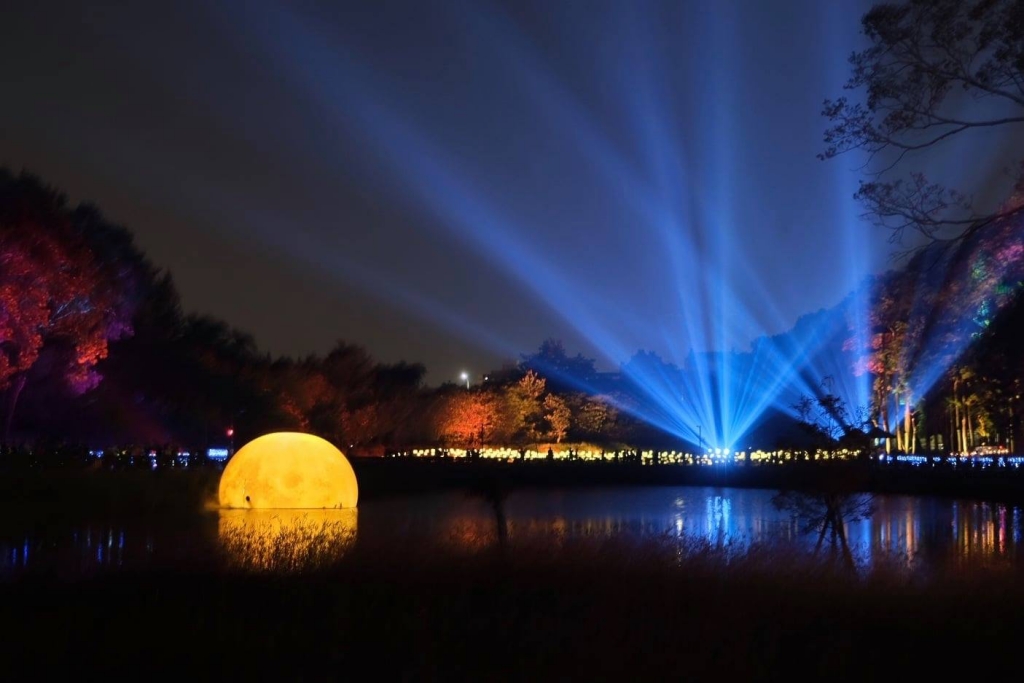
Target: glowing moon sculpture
x=288 y=470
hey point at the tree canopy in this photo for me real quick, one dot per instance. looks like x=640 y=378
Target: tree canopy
x=935 y=70
x=68 y=286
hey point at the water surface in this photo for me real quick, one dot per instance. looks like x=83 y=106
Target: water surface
x=921 y=532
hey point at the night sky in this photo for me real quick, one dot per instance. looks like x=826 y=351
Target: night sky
x=453 y=182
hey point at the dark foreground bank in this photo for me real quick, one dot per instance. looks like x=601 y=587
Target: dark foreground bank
x=598 y=613
x=597 y=609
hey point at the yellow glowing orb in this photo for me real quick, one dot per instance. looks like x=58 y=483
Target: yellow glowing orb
x=288 y=470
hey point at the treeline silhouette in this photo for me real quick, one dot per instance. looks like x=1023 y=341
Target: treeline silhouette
x=96 y=349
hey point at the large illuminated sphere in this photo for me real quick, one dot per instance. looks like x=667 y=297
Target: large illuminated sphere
x=288 y=470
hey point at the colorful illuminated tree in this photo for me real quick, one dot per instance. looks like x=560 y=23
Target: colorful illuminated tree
x=887 y=354
x=64 y=287
x=924 y=322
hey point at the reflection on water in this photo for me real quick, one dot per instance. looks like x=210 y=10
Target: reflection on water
x=77 y=549
x=982 y=530
x=919 y=532
x=286 y=539
x=922 y=532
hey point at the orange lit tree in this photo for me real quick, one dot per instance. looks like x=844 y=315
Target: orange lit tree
x=467 y=418
x=558 y=416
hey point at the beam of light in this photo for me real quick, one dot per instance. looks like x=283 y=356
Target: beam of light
x=853 y=389
x=327 y=261
x=709 y=385
x=330 y=262
x=947 y=333
x=735 y=388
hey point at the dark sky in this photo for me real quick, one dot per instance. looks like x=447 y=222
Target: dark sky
x=453 y=182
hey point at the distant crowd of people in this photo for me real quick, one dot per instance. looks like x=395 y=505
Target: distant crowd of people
x=79 y=456
x=520 y=454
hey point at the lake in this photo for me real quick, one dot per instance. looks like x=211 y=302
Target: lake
x=917 y=532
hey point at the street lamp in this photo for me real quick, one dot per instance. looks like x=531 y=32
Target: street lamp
x=465 y=378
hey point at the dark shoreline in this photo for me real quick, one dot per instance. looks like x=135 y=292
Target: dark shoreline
x=402 y=476
x=77 y=492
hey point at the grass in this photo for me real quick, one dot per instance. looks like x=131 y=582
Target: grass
x=320 y=607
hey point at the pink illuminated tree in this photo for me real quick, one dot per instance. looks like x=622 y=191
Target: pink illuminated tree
x=62 y=289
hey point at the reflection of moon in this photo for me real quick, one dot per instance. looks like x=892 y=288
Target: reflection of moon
x=286 y=539
x=288 y=470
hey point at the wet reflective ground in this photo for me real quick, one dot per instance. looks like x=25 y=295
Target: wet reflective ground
x=921 y=533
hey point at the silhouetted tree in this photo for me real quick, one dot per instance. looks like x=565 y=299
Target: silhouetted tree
x=835 y=498
x=934 y=71
x=494 y=490
x=562 y=371
x=593 y=417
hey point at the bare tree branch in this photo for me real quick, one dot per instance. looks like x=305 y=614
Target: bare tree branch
x=921 y=54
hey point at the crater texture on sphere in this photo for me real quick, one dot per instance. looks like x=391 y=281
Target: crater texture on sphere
x=288 y=470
